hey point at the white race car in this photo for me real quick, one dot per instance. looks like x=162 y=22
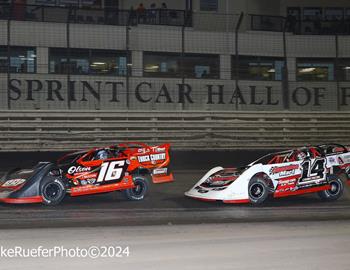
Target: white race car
x=316 y=169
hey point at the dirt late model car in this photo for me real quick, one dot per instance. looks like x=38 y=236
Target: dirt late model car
x=127 y=167
x=321 y=169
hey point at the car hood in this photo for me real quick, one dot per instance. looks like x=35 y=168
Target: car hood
x=222 y=178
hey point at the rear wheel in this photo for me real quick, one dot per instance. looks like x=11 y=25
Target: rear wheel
x=53 y=191
x=258 y=191
x=139 y=191
x=336 y=189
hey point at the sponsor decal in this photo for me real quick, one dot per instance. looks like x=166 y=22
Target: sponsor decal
x=13 y=182
x=160 y=171
x=219 y=189
x=151 y=149
x=83 y=182
x=220 y=178
x=218 y=181
x=91 y=181
x=287 y=182
x=78 y=169
x=75 y=182
x=143 y=150
x=88 y=176
x=158 y=149
x=284 y=170
x=346 y=158
x=154 y=157
x=201 y=190
x=87 y=182
x=331 y=160
x=144 y=158
x=286 y=189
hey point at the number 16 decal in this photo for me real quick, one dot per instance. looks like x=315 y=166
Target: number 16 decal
x=111 y=171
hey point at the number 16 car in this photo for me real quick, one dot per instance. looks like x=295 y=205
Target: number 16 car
x=126 y=167
x=320 y=169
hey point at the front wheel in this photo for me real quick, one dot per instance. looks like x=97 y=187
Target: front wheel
x=53 y=192
x=139 y=191
x=336 y=189
x=258 y=191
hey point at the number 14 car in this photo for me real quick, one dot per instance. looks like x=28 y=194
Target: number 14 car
x=320 y=169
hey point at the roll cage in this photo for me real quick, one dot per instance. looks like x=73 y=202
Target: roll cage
x=301 y=153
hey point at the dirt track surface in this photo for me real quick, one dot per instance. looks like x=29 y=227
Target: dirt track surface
x=165 y=203
x=278 y=245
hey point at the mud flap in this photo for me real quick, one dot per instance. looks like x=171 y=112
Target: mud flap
x=162 y=175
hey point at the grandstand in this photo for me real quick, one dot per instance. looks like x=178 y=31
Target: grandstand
x=201 y=74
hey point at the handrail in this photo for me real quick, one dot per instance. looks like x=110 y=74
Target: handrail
x=304 y=27
x=107 y=15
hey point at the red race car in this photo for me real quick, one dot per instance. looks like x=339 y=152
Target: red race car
x=126 y=167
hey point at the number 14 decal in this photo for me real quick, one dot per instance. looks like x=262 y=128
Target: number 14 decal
x=313 y=170
x=111 y=171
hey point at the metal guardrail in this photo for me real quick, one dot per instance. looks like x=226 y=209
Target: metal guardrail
x=170 y=17
x=57 y=130
x=320 y=27
x=108 y=16
x=300 y=27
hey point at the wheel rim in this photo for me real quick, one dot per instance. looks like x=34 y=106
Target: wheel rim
x=256 y=191
x=138 y=189
x=52 y=191
x=335 y=188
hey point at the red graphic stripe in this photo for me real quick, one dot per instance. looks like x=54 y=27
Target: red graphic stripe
x=237 y=201
x=301 y=191
x=34 y=199
x=290 y=177
x=224 y=201
x=91 y=189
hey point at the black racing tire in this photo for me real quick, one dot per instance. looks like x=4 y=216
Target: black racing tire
x=140 y=190
x=336 y=190
x=53 y=191
x=258 y=191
